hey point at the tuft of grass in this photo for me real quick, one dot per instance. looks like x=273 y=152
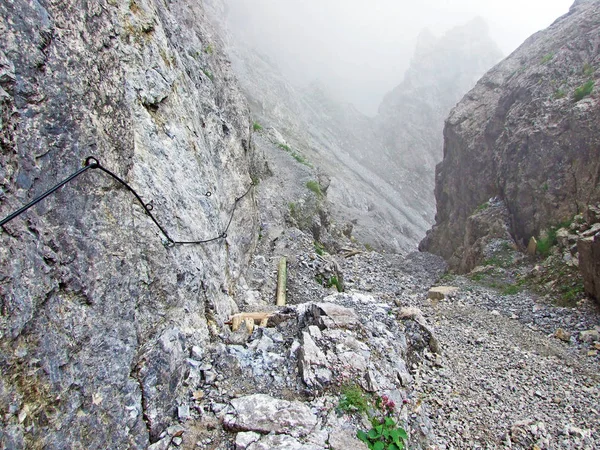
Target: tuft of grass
x=477 y=276
x=301 y=159
x=293 y=209
x=547 y=58
x=314 y=187
x=497 y=261
x=209 y=49
x=319 y=249
x=482 y=207
x=583 y=91
x=559 y=93
x=257 y=126
x=546 y=243
x=588 y=70
x=571 y=293
x=352 y=400
x=209 y=74
x=333 y=281
x=510 y=289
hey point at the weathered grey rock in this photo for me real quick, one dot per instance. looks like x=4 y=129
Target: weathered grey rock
x=416 y=315
x=281 y=442
x=589 y=336
x=245 y=438
x=264 y=414
x=592 y=214
x=313 y=363
x=107 y=313
x=343 y=440
x=441 y=292
x=183 y=412
x=521 y=135
x=589 y=264
x=330 y=315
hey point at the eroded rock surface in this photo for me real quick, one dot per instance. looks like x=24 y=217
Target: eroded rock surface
x=98 y=316
x=526 y=135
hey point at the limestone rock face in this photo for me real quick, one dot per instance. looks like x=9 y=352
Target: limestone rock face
x=98 y=316
x=411 y=117
x=379 y=170
x=527 y=134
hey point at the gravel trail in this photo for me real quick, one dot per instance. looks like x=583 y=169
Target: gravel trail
x=504 y=381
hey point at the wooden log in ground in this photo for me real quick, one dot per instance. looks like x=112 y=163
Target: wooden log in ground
x=281 y=281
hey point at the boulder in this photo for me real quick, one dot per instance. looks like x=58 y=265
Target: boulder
x=589 y=264
x=262 y=413
x=441 y=292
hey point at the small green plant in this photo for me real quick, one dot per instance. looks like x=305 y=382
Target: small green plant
x=300 y=159
x=588 y=70
x=510 y=289
x=208 y=74
x=545 y=243
x=319 y=249
x=385 y=434
x=209 y=49
x=295 y=155
x=547 y=58
x=559 y=93
x=368 y=247
x=477 y=276
x=583 y=91
x=333 y=281
x=314 y=187
x=569 y=294
x=353 y=400
x=293 y=209
x=545 y=187
x=496 y=261
x=257 y=126
x=482 y=207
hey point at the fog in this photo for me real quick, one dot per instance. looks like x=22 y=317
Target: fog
x=359 y=49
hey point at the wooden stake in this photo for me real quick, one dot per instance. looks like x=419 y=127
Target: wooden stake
x=281 y=281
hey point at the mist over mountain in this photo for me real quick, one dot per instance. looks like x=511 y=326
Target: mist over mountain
x=210 y=210
x=382 y=167
x=360 y=51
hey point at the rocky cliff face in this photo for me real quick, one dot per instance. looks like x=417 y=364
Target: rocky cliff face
x=411 y=117
x=526 y=134
x=380 y=170
x=97 y=315
x=339 y=143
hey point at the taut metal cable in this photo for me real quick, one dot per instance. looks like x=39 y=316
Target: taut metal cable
x=93 y=163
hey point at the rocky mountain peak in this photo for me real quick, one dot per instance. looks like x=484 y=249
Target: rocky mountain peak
x=411 y=117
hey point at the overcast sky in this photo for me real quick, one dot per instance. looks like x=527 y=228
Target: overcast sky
x=361 y=48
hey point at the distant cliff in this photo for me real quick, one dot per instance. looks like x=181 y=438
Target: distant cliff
x=97 y=316
x=381 y=168
x=526 y=135
x=411 y=117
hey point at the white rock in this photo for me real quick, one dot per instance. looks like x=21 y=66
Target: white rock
x=265 y=414
x=245 y=438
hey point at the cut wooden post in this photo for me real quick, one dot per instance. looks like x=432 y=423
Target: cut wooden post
x=281 y=281
x=236 y=320
x=249 y=324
